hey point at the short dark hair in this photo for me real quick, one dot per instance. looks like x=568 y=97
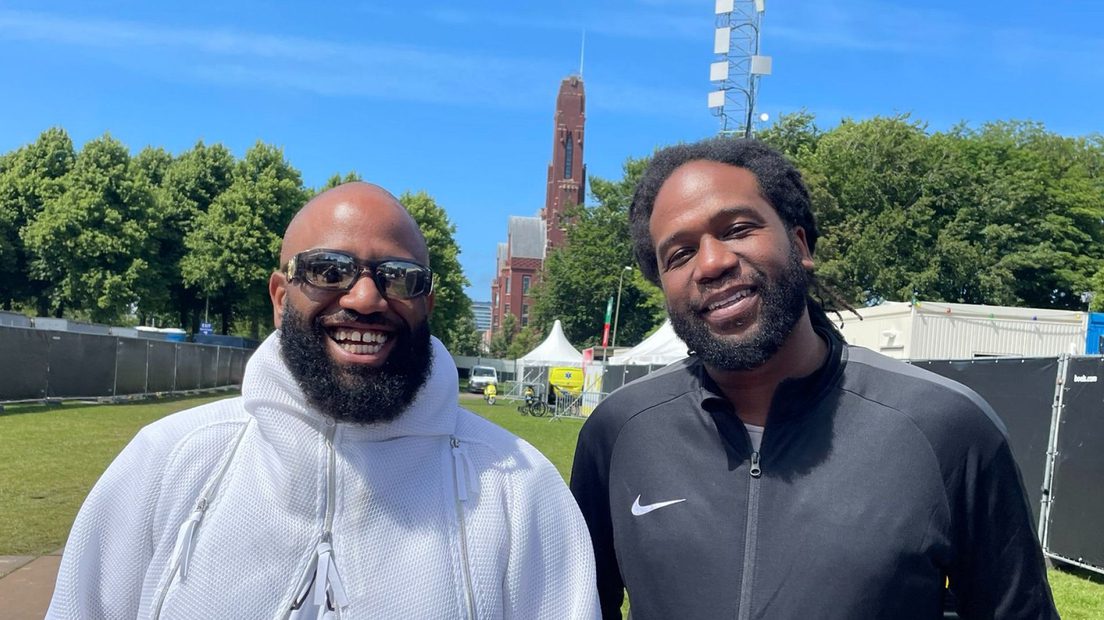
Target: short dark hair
x=779 y=181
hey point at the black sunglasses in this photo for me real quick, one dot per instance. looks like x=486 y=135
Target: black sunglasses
x=332 y=270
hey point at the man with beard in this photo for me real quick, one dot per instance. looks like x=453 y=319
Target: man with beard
x=778 y=472
x=345 y=482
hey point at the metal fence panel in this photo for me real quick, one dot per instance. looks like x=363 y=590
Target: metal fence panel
x=208 y=366
x=130 y=366
x=1021 y=391
x=1077 y=507
x=237 y=366
x=162 y=366
x=187 y=367
x=81 y=365
x=24 y=366
x=222 y=373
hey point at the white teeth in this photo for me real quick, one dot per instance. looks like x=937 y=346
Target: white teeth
x=348 y=340
x=360 y=349
x=737 y=296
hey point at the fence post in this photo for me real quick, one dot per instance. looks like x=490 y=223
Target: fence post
x=115 y=380
x=1052 y=452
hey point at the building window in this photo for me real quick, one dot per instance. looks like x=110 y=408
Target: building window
x=524 y=314
x=508 y=278
x=569 y=156
x=507 y=311
x=525 y=280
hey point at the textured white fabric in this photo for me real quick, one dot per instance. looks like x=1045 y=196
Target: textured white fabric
x=262 y=499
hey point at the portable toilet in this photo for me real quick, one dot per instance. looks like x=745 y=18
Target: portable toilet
x=1094 y=338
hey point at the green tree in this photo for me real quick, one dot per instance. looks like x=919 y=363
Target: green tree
x=503 y=337
x=337 y=179
x=192 y=181
x=871 y=183
x=235 y=245
x=152 y=163
x=29 y=177
x=468 y=340
x=580 y=277
x=795 y=134
x=524 y=341
x=93 y=241
x=452 y=308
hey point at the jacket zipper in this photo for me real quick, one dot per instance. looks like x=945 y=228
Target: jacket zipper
x=321 y=572
x=460 y=466
x=181 y=556
x=750 y=535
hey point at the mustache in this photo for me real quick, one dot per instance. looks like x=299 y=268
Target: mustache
x=346 y=315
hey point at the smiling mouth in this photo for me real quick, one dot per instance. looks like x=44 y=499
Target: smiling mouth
x=358 y=341
x=730 y=300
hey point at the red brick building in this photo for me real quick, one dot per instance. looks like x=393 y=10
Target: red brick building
x=529 y=239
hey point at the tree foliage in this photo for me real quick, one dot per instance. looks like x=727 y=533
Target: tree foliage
x=92 y=242
x=29 y=178
x=452 y=320
x=190 y=185
x=503 y=338
x=1006 y=214
x=235 y=244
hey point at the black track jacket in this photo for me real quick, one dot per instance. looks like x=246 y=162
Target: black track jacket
x=875 y=481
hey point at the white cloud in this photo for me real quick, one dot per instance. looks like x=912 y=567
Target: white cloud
x=244 y=59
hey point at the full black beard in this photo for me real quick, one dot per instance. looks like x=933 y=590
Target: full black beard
x=783 y=301
x=356 y=394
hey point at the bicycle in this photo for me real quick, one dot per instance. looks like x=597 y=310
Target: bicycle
x=532 y=406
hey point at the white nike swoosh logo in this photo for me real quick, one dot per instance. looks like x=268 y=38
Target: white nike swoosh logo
x=639 y=510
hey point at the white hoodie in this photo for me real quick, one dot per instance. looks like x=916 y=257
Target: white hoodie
x=241 y=508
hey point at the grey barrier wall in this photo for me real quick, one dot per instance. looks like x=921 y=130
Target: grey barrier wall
x=38 y=364
x=80 y=365
x=1076 y=511
x=616 y=376
x=1021 y=391
x=24 y=363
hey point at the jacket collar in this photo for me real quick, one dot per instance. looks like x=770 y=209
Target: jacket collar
x=793 y=396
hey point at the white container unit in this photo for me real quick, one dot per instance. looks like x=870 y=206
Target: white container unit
x=938 y=330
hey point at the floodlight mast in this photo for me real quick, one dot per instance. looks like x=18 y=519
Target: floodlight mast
x=735 y=73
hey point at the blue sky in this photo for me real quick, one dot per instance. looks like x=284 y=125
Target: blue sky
x=456 y=98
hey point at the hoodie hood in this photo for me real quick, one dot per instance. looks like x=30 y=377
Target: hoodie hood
x=272 y=396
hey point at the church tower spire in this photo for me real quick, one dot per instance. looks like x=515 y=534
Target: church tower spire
x=566 y=172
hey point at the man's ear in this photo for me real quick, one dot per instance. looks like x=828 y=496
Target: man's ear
x=802 y=245
x=430 y=299
x=277 y=291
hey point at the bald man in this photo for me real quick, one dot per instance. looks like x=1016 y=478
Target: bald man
x=345 y=482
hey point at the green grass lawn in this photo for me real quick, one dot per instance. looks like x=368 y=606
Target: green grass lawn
x=53 y=455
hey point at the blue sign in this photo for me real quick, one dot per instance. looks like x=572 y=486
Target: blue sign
x=205 y=328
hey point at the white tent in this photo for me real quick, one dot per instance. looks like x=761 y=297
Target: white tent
x=532 y=368
x=659 y=349
x=554 y=351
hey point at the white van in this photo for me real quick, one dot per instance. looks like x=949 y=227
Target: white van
x=480 y=376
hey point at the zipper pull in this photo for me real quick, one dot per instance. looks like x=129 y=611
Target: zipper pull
x=327 y=582
x=755 y=471
x=185 y=540
x=462 y=466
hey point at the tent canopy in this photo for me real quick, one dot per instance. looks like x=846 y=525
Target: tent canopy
x=659 y=349
x=554 y=351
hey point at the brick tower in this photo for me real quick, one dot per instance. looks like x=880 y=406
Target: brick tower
x=566 y=172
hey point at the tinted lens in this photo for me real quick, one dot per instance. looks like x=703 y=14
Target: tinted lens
x=328 y=270
x=403 y=280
